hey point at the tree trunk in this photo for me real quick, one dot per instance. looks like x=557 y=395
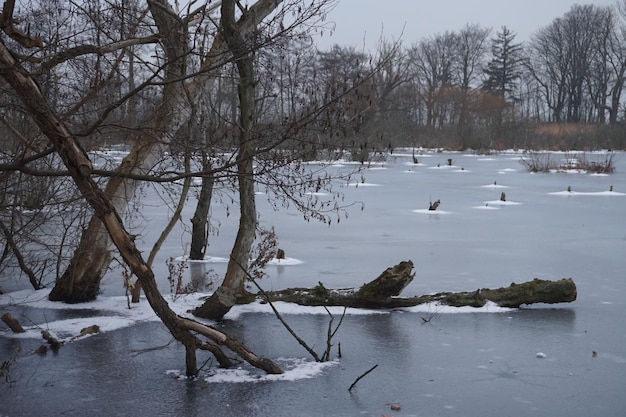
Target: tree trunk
x=81 y=280
x=200 y=219
x=80 y=168
x=383 y=293
x=234 y=280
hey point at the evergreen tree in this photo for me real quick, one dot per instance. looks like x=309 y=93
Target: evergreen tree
x=504 y=69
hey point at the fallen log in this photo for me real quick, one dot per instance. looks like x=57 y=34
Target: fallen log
x=383 y=293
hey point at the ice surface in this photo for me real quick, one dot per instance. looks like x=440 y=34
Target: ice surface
x=432 y=361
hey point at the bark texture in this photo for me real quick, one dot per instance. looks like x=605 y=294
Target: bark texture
x=383 y=293
x=200 y=219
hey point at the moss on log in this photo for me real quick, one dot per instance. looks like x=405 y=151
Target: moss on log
x=388 y=284
x=383 y=293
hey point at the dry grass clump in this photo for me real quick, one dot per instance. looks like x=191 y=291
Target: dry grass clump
x=546 y=162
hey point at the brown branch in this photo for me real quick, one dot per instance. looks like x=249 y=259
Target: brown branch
x=6 y=24
x=232 y=343
x=300 y=341
x=75 y=52
x=8 y=235
x=362 y=376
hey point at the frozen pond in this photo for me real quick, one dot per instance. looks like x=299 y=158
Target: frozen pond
x=557 y=360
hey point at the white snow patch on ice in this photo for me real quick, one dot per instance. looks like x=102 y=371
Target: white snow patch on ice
x=598 y=193
x=285 y=261
x=426 y=211
x=437 y=308
x=295 y=369
x=362 y=184
x=494 y=186
x=285 y=308
x=502 y=203
x=207 y=259
x=487 y=207
x=445 y=167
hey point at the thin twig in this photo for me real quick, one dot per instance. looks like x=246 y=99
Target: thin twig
x=361 y=376
x=278 y=316
x=331 y=333
x=137 y=352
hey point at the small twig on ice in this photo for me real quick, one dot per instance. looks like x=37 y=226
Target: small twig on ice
x=361 y=376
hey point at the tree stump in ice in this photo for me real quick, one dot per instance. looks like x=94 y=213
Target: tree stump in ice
x=13 y=323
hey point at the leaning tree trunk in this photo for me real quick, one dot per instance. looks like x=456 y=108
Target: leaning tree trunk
x=80 y=169
x=216 y=306
x=81 y=281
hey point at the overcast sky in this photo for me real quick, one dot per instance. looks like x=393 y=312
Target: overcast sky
x=361 y=22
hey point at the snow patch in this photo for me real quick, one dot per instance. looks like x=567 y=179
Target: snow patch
x=285 y=261
x=426 y=211
x=597 y=193
x=362 y=184
x=294 y=369
x=207 y=259
x=501 y=203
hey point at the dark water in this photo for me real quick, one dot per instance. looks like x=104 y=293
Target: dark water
x=469 y=364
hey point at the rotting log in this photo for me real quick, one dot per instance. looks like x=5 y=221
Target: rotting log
x=513 y=296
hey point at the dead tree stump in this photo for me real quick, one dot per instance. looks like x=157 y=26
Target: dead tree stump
x=12 y=322
x=433 y=206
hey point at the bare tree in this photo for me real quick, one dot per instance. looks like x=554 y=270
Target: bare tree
x=80 y=168
x=225 y=297
x=568 y=60
x=433 y=59
x=468 y=69
x=82 y=278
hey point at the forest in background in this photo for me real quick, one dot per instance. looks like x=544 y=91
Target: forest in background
x=475 y=88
